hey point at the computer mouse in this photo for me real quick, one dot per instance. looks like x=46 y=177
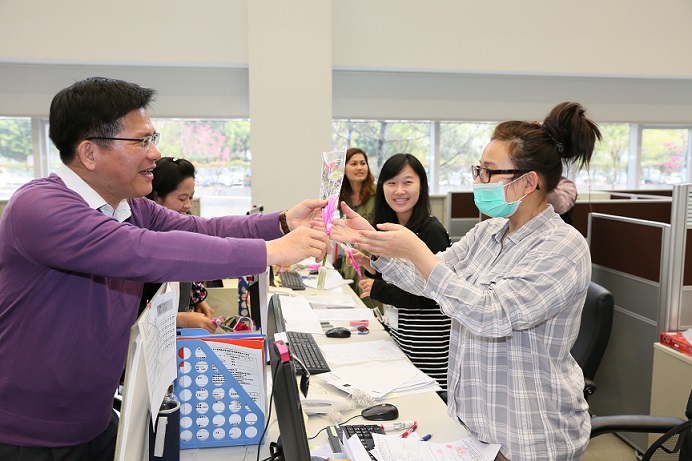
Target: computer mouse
x=338 y=332
x=381 y=412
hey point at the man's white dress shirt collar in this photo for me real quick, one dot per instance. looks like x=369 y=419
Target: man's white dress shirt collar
x=93 y=199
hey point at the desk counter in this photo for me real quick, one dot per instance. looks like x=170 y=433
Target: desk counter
x=426 y=408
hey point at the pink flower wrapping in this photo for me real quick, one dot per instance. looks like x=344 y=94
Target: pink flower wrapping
x=328 y=211
x=349 y=252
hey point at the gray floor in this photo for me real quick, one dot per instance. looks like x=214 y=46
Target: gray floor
x=609 y=447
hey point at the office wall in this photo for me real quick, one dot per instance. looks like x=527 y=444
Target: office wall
x=290 y=92
x=634 y=38
x=211 y=33
x=625 y=60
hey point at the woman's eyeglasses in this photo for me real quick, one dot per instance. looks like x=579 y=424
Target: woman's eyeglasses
x=486 y=173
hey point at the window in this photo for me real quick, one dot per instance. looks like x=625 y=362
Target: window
x=461 y=145
x=16 y=154
x=665 y=156
x=384 y=138
x=608 y=167
x=220 y=151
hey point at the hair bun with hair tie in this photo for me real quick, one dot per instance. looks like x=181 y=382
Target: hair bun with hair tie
x=560 y=147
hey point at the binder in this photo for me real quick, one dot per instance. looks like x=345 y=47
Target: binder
x=216 y=408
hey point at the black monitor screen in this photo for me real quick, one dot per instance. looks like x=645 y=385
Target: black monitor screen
x=258 y=290
x=293 y=436
x=275 y=318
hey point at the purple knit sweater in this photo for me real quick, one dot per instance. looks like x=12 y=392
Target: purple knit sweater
x=70 y=284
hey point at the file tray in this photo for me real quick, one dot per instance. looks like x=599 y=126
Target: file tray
x=215 y=409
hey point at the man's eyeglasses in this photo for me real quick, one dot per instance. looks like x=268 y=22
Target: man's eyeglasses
x=146 y=141
x=485 y=173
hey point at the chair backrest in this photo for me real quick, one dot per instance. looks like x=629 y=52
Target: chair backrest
x=594 y=332
x=674 y=445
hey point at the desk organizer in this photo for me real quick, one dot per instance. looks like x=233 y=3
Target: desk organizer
x=215 y=410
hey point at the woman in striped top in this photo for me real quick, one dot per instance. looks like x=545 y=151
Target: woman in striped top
x=415 y=322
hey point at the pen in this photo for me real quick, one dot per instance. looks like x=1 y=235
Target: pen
x=427 y=437
x=398 y=426
x=410 y=430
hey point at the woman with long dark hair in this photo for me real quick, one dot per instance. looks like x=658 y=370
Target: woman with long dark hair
x=415 y=322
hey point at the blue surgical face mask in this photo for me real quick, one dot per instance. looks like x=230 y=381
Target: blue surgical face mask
x=490 y=199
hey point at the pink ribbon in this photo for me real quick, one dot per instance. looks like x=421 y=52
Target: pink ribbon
x=328 y=211
x=349 y=252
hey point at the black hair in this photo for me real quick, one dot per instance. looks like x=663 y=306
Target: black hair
x=93 y=107
x=366 y=189
x=421 y=210
x=566 y=136
x=168 y=174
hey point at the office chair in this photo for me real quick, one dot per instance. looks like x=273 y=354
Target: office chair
x=674 y=444
x=594 y=333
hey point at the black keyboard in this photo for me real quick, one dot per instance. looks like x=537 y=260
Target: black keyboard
x=292 y=280
x=364 y=432
x=304 y=346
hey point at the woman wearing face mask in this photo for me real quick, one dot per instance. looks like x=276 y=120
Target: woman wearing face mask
x=514 y=287
x=415 y=322
x=174 y=188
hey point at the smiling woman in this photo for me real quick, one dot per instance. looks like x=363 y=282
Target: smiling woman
x=358 y=191
x=414 y=322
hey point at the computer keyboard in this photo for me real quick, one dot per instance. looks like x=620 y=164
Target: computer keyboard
x=304 y=346
x=292 y=280
x=364 y=432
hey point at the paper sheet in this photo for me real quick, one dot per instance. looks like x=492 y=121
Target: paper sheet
x=361 y=351
x=354 y=449
x=345 y=314
x=246 y=364
x=332 y=300
x=157 y=327
x=299 y=316
x=377 y=379
x=468 y=449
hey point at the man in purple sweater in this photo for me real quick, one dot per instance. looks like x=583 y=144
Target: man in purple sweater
x=75 y=250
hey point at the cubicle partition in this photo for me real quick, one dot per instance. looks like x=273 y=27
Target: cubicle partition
x=679 y=289
x=629 y=258
x=462 y=213
x=640 y=206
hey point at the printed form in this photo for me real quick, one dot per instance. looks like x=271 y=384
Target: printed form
x=157 y=327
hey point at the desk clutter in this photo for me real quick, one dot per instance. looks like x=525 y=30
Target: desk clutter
x=221 y=387
x=678 y=340
x=225 y=390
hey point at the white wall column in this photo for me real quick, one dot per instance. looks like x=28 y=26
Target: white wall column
x=290 y=87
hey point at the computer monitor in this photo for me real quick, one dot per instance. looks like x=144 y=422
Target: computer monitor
x=132 y=442
x=258 y=289
x=133 y=432
x=293 y=439
x=275 y=319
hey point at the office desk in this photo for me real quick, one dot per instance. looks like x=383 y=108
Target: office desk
x=426 y=408
x=670 y=386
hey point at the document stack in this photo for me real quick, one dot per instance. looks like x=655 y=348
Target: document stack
x=221 y=387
